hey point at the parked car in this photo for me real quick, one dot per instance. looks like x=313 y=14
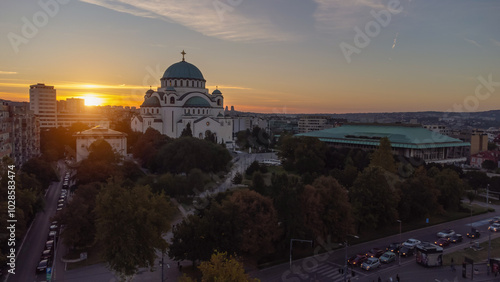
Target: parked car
x=446 y=233
x=375 y=253
x=405 y=251
x=442 y=242
x=494 y=227
x=370 y=263
x=393 y=247
x=456 y=238
x=46 y=254
x=53 y=227
x=42 y=266
x=388 y=257
x=474 y=233
x=357 y=259
x=49 y=244
x=52 y=234
x=411 y=243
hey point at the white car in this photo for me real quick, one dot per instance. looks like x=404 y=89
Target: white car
x=411 y=243
x=494 y=227
x=370 y=263
x=446 y=233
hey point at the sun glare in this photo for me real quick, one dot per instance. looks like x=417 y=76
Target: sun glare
x=92 y=100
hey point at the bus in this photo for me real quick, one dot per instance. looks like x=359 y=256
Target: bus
x=428 y=254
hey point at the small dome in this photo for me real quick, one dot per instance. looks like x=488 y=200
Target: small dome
x=151 y=102
x=196 y=102
x=216 y=92
x=150 y=91
x=183 y=69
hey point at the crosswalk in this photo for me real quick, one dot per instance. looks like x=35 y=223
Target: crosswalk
x=330 y=272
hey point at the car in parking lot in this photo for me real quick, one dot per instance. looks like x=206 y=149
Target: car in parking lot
x=374 y=253
x=387 y=257
x=370 y=263
x=474 y=233
x=53 y=227
x=46 y=254
x=457 y=238
x=357 y=259
x=494 y=227
x=442 y=242
x=411 y=243
x=446 y=233
x=393 y=247
x=405 y=251
x=42 y=266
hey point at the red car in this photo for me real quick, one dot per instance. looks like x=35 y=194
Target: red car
x=443 y=242
x=375 y=253
x=357 y=259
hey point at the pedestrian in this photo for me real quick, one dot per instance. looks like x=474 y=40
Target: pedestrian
x=397 y=277
x=452 y=265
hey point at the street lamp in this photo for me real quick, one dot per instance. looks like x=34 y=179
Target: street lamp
x=399 y=253
x=346 y=244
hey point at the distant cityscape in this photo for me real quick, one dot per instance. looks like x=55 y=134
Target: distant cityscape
x=22 y=122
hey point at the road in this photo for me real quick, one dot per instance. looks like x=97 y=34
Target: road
x=325 y=266
x=34 y=242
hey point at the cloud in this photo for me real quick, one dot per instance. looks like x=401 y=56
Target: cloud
x=472 y=42
x=8 y=72
x=497 y=43
x=215 y=18
x=341 y=14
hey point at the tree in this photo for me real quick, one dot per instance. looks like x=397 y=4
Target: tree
x=101 y=150
x=186 y=132
x=471 y=196
x=374 y=201
x=253 y=167
x=217 y=228
x=477 y=179
x=326 y=208
x=259 y=219
x=303 y=154
x=419 y=197
x=148 y=145
x=383 y=157
x=238 y=178
x=223 y=267
x=209 y=136
x=451 y=189
x=258 y=183
x=78 y=217
x=41 y=169
x=130 y=226
x=489 y=165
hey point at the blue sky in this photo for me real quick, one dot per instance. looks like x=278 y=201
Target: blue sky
x=265 y=56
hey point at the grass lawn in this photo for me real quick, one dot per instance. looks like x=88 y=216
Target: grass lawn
x=477 y=256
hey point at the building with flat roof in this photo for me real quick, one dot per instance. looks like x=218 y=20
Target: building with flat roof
x=44 y=104
x=411 y=141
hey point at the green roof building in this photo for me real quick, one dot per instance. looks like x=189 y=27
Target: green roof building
x=412 y=141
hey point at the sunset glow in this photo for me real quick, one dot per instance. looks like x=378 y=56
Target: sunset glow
x=92 y=100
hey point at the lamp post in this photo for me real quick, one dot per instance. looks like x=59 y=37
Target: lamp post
x=489 y=248
x=399 y=252
x=346 y=245
x=471 y=224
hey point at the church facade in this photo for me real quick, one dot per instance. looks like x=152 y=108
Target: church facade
x=183 y=101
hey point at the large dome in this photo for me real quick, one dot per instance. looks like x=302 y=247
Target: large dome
x=183 y=69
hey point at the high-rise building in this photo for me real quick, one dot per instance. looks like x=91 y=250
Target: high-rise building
x=19 y=132
x=44 y=104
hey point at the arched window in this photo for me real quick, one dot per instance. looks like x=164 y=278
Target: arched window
x=198 y=111
x=218 y=102
x=175 y=83
x=172 y=100
x=182 y=82
x=201 y=136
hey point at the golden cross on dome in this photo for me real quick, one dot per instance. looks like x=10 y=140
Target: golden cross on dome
x=183 y=53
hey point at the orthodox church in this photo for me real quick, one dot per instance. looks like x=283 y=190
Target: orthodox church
x=182 y=101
